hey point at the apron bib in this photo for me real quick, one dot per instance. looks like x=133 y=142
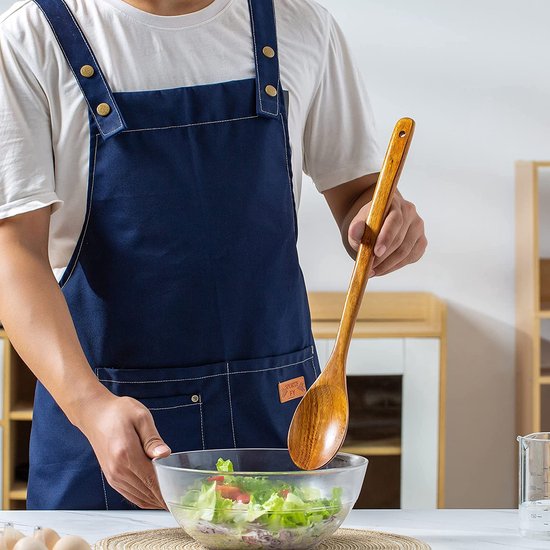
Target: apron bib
x=184 y=287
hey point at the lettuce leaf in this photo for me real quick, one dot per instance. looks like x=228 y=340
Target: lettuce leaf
x=206 y=501
x=224 y=465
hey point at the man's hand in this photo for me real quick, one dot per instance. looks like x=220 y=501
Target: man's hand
x=124 y=438
x=401 y=241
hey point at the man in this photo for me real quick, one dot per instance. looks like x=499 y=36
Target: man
x=149 y=274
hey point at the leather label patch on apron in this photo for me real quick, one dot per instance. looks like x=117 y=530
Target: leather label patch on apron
x=292 y=389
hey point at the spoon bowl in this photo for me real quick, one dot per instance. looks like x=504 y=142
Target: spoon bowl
x=328 y=402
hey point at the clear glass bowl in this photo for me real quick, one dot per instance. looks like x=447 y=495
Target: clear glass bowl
x=265 y=503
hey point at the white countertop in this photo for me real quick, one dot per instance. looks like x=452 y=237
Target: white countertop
x=441 y=529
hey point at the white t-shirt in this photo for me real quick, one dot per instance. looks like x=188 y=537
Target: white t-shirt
x=44 y=134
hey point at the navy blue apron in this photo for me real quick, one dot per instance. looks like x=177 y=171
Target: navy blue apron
x=184 y=287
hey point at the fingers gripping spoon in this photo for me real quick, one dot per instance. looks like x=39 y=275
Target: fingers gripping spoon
x=320 y=422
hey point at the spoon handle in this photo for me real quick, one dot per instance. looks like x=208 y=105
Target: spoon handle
x=385 y=187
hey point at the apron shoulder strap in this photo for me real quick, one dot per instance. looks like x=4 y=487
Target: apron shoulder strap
x=264 y=37
x=84 y=66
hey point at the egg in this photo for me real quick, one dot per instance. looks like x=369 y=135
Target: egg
x=71 y=542
x=29 y=543
x=11 y=535
x=46 y=535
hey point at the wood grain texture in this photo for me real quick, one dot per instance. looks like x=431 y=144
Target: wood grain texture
x=544 y=277
x=381 y=315
x=320 y=423
x=375 y=306
x=527 y=298
x=442 y=312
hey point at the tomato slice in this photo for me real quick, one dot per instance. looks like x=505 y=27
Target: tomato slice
x=216 y=478
x=233 y=493
x=244 y=498
x=284 y=492
x=228 y=491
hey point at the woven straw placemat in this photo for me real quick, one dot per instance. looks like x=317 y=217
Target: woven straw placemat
x=177 y=539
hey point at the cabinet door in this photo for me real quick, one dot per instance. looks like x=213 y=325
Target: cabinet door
x=324 y=347
x=420 y=424
x=370 y=356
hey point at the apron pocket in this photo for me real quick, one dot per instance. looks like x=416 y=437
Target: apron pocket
x=265 y=394
x=179 y=421
x=173 y=396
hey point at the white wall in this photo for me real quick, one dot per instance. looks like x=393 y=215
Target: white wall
x=474 y=74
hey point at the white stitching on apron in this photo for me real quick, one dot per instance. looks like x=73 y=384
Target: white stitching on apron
x=173 y=407
x=104 y=490
x=115 y=106
x=277 y=46
x=230 y=405
x=313 y=362
x=89 y=213
x=70 y=66
x=202 y=428
x=202 y=377
x=259 y=81
x=287 y=164
x=190 y=124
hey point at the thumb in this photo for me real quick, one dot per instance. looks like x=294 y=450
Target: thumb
x=152 y=443
x=357 y=227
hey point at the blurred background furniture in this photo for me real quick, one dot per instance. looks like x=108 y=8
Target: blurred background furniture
x=396 y=384
x=533 y=296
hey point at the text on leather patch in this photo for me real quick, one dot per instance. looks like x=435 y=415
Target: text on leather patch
x=292 y=389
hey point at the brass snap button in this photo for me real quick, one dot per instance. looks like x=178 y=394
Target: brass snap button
x=87 y=71
x=271 y=90
x=268 y=51
x=103 y=109
x=195 y=398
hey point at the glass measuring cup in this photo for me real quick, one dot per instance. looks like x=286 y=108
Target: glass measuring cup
x=534 y=485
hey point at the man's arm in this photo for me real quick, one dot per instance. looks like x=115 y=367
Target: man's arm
x=35 y=315
x=402 y=240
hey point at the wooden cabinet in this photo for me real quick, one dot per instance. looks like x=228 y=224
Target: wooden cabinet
x=397 y=336
x=398 y=349
x=17 y=396
x=533 y=296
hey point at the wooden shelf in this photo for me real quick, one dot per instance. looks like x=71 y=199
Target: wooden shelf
x=18 y=491
x=382 y=315
x=19 y=385
x=382 y=447
x=532 y=297
x=21 y=411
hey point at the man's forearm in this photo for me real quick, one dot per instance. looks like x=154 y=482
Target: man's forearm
x=36 y=317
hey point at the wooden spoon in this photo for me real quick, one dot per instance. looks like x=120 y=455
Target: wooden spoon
x=320 y=422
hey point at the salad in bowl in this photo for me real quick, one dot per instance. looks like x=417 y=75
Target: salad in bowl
x=257 y=498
